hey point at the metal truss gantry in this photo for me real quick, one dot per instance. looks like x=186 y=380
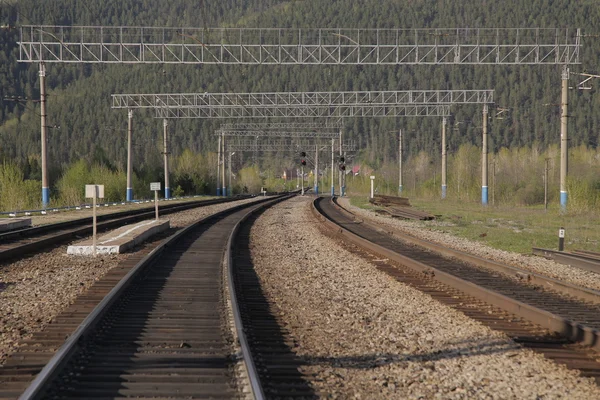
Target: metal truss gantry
x=303 y=104
x=327 y=124
x=134 y=45
x=278 y=134
x=250 y=145
x=305 y=111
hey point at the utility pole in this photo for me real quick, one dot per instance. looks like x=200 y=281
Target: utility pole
x=564 y=162
x=400 y=162
x=494 y=181
x=332 y=167
x=224 y=190
x=302 y=180
x=484 y=159
x=444 y=159
x=230 y=187
x=129 y=146
x=317 y=169
x=340 y=172
x=219 y=168
x=546 y=184
x=166 y=155
x=45 y=185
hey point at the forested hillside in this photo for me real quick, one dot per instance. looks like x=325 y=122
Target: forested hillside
x=79 y=101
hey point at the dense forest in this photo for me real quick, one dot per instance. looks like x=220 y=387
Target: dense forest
x=85 y=128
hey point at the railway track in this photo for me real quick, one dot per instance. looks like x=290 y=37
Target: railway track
x=163 y=330
x=585 y=260
x=22 y=242
x=543 y=314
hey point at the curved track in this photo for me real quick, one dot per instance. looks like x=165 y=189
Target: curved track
x=19 y=243
x=567 y=314
x=162 y=332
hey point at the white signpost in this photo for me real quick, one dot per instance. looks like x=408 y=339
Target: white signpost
x=155 y=187
x=372 y=183
x=93 y=192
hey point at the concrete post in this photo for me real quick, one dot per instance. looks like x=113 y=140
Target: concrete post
x=332 y=167
x=484 y=159
x=224 y=190
x=129 y=155
x=444 y=159
x=44 y=127
x=340 y=172
x=317 y=169
x=230 y=192
x=166 y=157
x=564 y=156
x=400 y=162
x=219 y=168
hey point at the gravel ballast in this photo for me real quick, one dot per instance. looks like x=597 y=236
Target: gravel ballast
x=365 y=335
x=535 y=264
x=35 y=290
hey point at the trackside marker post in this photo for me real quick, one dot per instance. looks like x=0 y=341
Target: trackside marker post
x=94 y=191
x=372 y=185
x=155 y=187
x=561 y=239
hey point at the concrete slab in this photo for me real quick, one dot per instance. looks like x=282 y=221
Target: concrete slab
x=120 y=240
x=14 y=224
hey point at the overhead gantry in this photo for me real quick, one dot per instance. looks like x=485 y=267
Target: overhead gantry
x=325 y=46
x=404 y=103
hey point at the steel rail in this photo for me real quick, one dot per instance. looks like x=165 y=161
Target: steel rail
x=581 y=261
x=32 y=231
x=253 y=374
x=549 y=283
x=60 y=359
x=82 y=226
x=569 y=329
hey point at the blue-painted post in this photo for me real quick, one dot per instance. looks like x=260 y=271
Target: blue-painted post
x=45 y=184
x=564 y=159
x=166 y=158
x=129 y=155
x=484 y=159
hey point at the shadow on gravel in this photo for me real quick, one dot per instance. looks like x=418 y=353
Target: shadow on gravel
x=277 y=364
x=460 y=349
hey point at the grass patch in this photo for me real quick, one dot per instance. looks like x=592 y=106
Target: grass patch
x=516 y=229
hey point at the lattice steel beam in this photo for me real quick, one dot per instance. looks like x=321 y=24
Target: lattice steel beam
x=125 y=44
x=277 y=133
x=283 y=125
x=305 y=112
x=279 y=146
x=303 y=99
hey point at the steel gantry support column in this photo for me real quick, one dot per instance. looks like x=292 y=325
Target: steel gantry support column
x=564 y=155
x=444 y=159
x=317 y=169
x=229 y=165
x=400 y=162
x=44 y=132
x=332 y=167
x=219 y=167
x=129 y=155
x=340 y=172
x=224 y=186
x=484 y=159
x=166 y=157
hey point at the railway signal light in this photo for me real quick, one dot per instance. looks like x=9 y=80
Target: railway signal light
x=303 y=160
x=342 y=159
x=342 y=167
